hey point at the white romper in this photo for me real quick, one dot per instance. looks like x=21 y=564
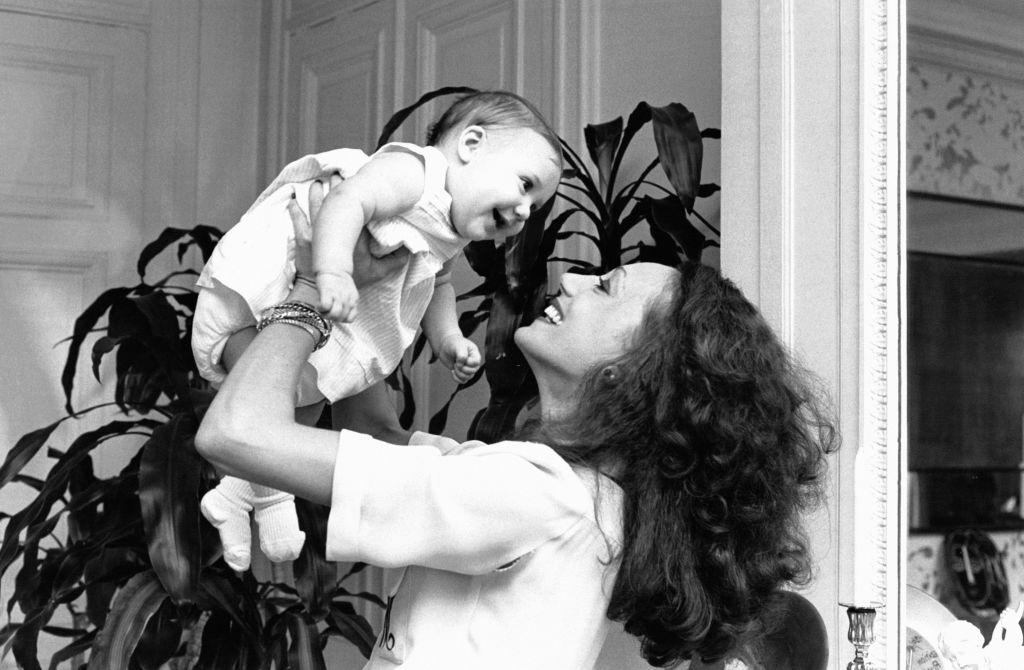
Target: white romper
x=256 y=261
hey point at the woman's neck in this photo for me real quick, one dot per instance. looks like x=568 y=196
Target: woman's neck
x=557 y=400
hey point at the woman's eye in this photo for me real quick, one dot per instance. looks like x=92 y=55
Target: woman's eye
x=602 y=284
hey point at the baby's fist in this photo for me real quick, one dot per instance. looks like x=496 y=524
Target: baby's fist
x=338 y=295
x=461 y=356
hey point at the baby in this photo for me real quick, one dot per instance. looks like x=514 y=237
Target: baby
x=491 y=160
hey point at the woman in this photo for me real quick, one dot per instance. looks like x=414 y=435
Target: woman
x=662 y=486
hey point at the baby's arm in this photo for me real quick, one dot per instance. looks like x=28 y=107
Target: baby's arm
x=441 y=326
x=389 y=184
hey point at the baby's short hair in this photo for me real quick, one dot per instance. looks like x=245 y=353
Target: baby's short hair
x=493 y=109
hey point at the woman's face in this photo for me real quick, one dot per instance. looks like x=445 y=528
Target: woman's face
x=592 y=319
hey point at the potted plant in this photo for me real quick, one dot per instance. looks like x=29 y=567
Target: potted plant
x=140 y=571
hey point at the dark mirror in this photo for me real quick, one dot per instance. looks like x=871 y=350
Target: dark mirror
x=965 y=363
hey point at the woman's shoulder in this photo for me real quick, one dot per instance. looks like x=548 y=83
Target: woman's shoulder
x=601 y=497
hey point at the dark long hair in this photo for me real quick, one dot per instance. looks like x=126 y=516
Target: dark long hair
x=718 y=441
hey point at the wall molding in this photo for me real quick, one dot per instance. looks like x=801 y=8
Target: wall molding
x=980 y=25
x=125 y=13
x=813 y=235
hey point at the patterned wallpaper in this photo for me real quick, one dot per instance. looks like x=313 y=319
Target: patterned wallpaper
x=965 y=135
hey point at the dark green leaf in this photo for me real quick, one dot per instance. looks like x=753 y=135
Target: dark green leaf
x=228 y=595
x=705 y=190
x=639 y=117
x=305 y=652
x=56 y=484
x=169 y=490
x=354 y=628
x=711 y=133
x=602 y=139
x=85 y=490
x=160 y=315
x=440 y=418
x=401 y=115
x=160 y=640
x=223 y=644
x=21 y=453
x=205 y=237
x=130 y=612
x=680 y=149
x=668 y=215
x=83 y=326
x=315 y=576
x=79 y=645
x=408 y=412
x=103 y=573
x=166 y=238
x=101 y=348
x=24 y=643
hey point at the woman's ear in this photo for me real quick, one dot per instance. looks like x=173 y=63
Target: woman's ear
x=471 y=140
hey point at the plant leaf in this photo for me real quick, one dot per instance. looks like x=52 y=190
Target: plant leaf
x=83 y=326
x=56 y=484
x=24 y=643
x=638 y=118
x=77 y=646
x=304 y=653
x=353 y=627
x=602 y=139
x=160 y=639
x=315 y=576
x=169 y=489
x=680 y=149
x=24 y=450
x=130 y=612
x=167 y=237
x=440 y=418
x=401 y=115
x=668 y=215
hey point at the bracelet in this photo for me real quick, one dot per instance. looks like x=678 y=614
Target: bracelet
x=298 y=314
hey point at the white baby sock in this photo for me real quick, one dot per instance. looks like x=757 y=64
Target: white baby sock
x=227 y=507
x=280 y=537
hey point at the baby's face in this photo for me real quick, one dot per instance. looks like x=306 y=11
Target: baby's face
x=498 y=178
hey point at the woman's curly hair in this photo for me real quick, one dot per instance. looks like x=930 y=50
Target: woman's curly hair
x=718 y=441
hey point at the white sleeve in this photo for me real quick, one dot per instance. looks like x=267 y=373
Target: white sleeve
x=470 y=512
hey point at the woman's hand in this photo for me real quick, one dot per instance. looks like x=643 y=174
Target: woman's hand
x=304 y=287
x=366 y=269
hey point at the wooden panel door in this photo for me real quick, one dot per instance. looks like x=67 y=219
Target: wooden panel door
x=339 y=85
x=498 y=44
x=72 y=113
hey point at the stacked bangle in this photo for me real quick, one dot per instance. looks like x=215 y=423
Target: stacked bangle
x=298 y=314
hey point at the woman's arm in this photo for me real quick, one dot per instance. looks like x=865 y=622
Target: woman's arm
x=249 y=430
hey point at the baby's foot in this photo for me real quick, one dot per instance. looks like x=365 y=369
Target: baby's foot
x=229 y=514
x=280 y=537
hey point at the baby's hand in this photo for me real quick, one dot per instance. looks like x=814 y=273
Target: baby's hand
x=338 y=295
x=461 y=356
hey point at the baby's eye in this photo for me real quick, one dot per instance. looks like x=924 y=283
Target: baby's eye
x=527 y=183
